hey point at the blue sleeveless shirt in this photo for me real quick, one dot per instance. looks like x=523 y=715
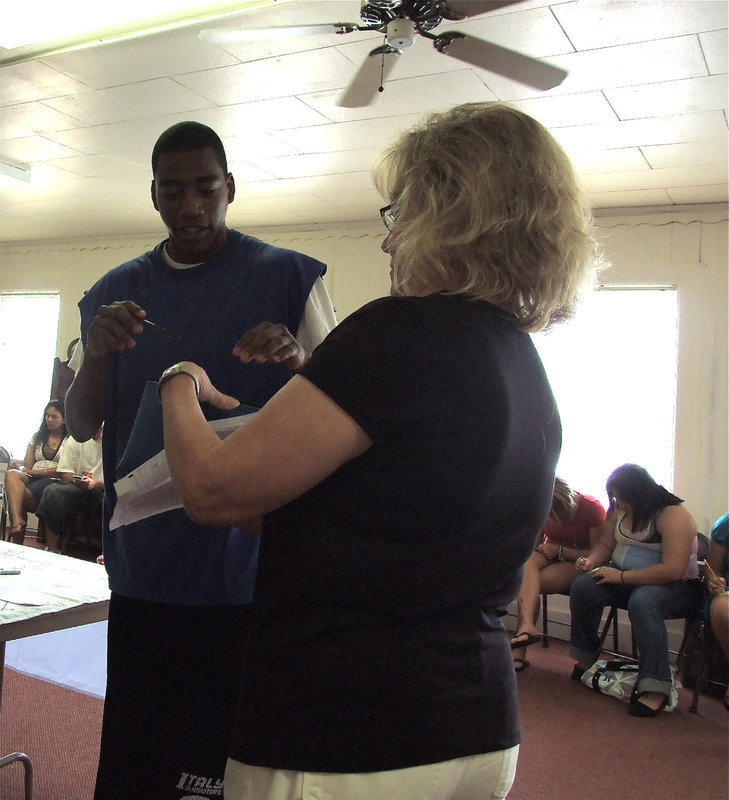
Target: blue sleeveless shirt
x=167 y=558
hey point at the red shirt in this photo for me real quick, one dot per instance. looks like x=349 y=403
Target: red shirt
x=590 y=514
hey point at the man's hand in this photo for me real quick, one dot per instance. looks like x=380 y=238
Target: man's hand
x=114 y=328
x=269 y=343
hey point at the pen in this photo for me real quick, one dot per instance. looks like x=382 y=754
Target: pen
x=164 y=331
x=9 y=571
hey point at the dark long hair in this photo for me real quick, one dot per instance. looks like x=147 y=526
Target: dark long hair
x=634 y=485
x=41 y=435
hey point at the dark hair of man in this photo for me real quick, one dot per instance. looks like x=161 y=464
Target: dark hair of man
x=189 y=136
x=646 y=497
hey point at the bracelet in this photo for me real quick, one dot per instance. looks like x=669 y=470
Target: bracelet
x=178 y=369
x=622 y=576
x=560 y=557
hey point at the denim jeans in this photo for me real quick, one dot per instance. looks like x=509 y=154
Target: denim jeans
x=648 y=608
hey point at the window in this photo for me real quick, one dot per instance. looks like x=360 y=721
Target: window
x=28 y=335
x=613 y=370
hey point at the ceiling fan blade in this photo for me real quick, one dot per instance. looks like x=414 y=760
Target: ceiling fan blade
x=227 y=35
x=370 y=77
x=509 y=63
x=461 y=9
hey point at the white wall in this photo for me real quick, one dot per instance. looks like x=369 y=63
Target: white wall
x=687 y=248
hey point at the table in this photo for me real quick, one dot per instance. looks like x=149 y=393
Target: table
x=52 y=592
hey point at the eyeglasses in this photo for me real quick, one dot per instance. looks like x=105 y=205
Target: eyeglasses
x=388 y=217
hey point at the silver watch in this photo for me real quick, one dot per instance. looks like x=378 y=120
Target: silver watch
x=178 y=369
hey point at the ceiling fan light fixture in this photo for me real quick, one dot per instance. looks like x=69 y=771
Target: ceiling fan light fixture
x=400 y=33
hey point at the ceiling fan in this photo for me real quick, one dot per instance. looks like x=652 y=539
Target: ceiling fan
x=400 y=22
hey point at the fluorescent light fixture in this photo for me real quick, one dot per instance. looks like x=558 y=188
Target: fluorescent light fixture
x=19 y=172
x=40 y=29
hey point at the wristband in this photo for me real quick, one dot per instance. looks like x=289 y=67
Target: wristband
x=560 y=557
x=178 y=369
x=622 y=576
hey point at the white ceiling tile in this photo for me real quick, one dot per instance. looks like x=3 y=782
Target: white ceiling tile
x=33 y=148
x=93 y=139
x=300 y=166
x=602 y=23
x=626 y=159
x=100 y=165
x=715 y=45
x=718 y=193
x=238 y=148
x=691 y=154
x=586 y=108
x=682 y=97
x=260 y=115
x=697 y=127
x=141 y=60
x=627 y=198
x=321 y=185
x=22 y=83
x=244 y=173
x=377 y=133
x=654 y=178
x=278 y=111
x=27 y=119
x=135 y=101
x=274 y=77
x=408 y=96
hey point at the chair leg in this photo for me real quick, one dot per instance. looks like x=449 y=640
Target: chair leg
x=545 y=635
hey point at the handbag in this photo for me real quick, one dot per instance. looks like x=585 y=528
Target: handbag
x=619 y=679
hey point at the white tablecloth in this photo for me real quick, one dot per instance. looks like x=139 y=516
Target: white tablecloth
x=53 y=617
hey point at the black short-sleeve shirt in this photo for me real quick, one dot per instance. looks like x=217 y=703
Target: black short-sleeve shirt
x=376 y=641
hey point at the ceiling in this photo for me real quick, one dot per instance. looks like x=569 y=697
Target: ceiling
x=642 y=113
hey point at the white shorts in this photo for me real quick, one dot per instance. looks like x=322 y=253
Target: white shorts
x=481 y=777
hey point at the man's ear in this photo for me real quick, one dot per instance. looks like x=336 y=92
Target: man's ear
x=230 y=183
x=154 y=196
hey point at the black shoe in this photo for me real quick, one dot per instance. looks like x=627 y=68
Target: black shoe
x=577 y=673
x=638 y=709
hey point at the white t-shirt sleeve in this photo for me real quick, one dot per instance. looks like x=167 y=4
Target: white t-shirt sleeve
x=319 y=317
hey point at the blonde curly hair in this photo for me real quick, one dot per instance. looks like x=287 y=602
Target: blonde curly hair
x=487 y=205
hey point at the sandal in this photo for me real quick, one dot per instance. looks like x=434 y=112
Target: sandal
x=14 y=530
x=520 y=664
x=519 y=640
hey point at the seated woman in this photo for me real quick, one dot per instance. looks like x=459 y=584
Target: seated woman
x=717 y=575
x=570 y=532
x=649 y=540
x=24 y=483
x=404 y=473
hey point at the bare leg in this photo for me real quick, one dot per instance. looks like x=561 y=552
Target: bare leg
x=15 y=491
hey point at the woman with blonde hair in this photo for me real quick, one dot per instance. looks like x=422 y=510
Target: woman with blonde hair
x=569 y=533
x=403 y=475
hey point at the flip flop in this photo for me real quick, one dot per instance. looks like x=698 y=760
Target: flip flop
x=520 y=641
x=520 y=664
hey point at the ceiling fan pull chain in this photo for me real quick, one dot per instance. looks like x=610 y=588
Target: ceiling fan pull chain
x=382 y=66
